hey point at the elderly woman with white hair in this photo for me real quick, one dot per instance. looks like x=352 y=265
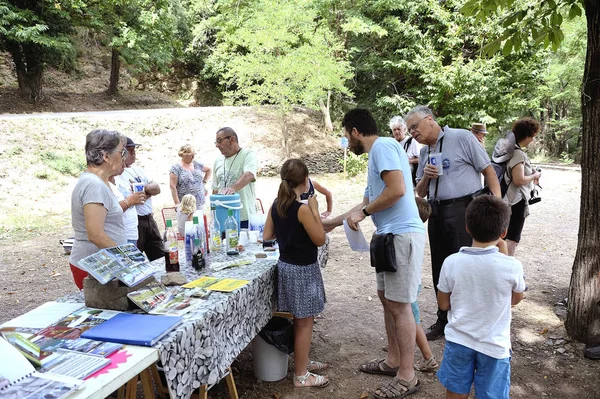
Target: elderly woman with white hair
x=411 y=146
x=189 y=177
x=96 y=215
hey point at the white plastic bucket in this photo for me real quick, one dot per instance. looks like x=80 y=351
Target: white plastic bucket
x=270 y=364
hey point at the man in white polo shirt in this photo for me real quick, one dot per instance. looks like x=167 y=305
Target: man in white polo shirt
x=149 y=239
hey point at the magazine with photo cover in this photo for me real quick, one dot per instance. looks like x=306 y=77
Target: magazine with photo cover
x=155 y=298
x=124 y=262
x=86 y=318
x=18 y=378
x=61 y=339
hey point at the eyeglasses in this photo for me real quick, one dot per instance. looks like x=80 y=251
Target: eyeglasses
x=124 y=153
x=221 y=139
x=414 y=125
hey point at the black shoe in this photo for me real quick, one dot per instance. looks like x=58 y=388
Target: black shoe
x=592 y=352
x=436 y=331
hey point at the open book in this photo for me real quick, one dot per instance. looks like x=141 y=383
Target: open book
x=124 y=262
x=18 y=378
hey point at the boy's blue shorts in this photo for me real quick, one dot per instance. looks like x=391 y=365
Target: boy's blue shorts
x=415 y=308
x=462 y=366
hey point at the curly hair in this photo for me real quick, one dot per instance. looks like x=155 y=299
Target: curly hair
x=525 y=127
x=185 y=149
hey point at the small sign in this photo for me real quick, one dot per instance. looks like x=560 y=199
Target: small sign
x=344 y=142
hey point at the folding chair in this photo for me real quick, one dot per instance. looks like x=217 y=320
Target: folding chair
x=169 y=213
x=259 y=206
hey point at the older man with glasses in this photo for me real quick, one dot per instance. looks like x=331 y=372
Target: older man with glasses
x=235 y=172
x=462 y=160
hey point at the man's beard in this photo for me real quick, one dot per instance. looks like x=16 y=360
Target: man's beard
x=356 y=146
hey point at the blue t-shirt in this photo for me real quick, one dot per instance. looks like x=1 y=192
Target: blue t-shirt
x=402 y=217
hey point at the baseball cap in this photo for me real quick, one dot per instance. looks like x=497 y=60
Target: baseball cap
x=130 y=143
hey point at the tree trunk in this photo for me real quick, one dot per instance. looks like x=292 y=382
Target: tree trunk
x=115 y=69
x=583 y=316
x=30 y=71
x=326 y=114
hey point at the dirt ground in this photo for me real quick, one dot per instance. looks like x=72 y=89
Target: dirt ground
x=350 y=330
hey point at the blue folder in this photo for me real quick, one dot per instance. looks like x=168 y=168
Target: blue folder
x=133 y=329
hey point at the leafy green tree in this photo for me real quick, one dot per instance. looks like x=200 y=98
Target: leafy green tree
x=273 y=52
x=37 y=34
x=425 y=52
x=542 y=23
x=143 y=33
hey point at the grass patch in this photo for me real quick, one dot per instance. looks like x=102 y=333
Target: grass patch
x=17 y=150
x=21 y=226
x=66 y=164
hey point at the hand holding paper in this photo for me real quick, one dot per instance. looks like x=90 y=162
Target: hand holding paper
x=356 y=239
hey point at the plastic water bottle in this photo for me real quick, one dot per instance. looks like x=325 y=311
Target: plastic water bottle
x=215 y=232
x=231 y=234
x=171 y=249
x=190 y=234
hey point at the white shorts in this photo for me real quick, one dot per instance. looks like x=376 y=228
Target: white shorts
x=403 y=285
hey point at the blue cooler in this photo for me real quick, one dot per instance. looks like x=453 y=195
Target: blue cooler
x=222 y=204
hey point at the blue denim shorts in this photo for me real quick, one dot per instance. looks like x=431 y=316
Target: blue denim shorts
x=463 y=367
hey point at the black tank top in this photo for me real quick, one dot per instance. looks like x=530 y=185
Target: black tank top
x=310 y=192
x=295 y=246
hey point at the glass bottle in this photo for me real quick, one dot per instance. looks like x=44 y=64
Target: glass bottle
x=231 y=234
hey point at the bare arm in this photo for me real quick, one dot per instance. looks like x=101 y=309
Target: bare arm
x=518 y=175
x=393 y=191
x=443 y=300
x=207 y=172
x=269 y=230
x=311 y=220
x=95 y=215
x=328 y=198
x=413 y=160
x=491 y=180
x=244 y=179
x=173 y=187
x=331 y=224
x=132 y=200
x=429 y=172
x=516 y=298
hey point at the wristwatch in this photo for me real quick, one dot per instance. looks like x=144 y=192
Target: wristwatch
x=364 y=210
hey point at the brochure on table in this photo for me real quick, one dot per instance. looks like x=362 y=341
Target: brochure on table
x=18 y=378
x=155 y=298
x=124 y=262
x=216 y=284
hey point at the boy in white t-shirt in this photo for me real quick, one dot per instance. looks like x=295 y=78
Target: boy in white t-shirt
x=477 y=286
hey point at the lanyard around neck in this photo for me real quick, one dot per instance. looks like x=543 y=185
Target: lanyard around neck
x=227 y=175
x=437 y=181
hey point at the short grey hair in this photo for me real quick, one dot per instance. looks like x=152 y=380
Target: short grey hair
x=99 y=142
x=397 y=121
x=422 y=110
x=229 y=132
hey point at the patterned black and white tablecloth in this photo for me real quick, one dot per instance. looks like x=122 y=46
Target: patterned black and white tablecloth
x=202 y=348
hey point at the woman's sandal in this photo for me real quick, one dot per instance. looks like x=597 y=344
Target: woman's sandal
x=319 y=381
x=313 y=365
x=397 y=389
x=378 y=367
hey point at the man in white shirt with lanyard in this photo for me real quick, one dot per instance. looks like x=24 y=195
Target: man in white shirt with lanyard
x=235 y=172
x=149 y=239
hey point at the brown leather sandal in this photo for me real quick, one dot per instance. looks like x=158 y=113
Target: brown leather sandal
x=378 y=367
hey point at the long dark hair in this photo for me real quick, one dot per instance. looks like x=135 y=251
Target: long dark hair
x=293 y=173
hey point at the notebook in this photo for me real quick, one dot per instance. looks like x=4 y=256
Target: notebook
x=133 y=329
x=18 y=378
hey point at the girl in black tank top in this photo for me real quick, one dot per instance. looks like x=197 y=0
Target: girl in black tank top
x=299 y=232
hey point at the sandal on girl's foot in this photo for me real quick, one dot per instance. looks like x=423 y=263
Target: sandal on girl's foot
x=378 y=367
x=313 y=365
x=427 y=366
x=319 y=381
x=397 y=389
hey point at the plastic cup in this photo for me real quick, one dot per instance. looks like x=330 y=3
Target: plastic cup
x=436 y=160
x=253 y=236
x=244 y=237
x=138 y=187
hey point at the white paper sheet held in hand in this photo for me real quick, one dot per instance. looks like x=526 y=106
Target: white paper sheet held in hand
x=356 y=239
